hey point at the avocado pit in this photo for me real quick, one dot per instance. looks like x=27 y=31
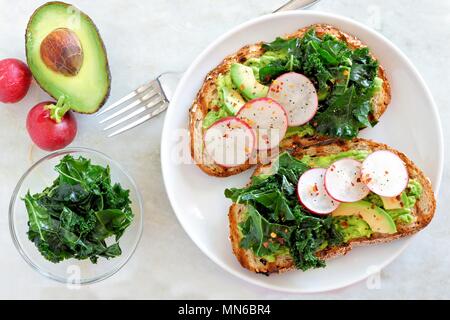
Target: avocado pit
x=61 y=52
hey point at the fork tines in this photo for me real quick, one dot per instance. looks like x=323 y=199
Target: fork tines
x=141 y=105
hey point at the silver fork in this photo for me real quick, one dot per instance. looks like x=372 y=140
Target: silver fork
x=152 y=98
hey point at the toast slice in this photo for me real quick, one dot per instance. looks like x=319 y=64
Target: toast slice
x=208 y=93
x=423 y=210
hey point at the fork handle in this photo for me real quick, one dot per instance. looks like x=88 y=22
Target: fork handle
x=296 y=4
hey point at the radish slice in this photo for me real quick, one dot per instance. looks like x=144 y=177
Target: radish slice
x=297 y=95
x=229 y=141
x=269 y=120
x=312 y=194
x=343 y=181
x=384 y=173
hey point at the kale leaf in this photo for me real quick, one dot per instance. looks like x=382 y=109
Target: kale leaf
x=364 y=68
x=74 y=217
x=287 y=46
x=287 y=52
x=311 y=235
x=276 y=223
x=273 y=70
x=345 y=115
x=263 y=237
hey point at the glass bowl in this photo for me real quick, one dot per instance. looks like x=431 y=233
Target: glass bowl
x=42 y=174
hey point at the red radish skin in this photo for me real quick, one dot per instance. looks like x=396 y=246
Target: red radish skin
x=227 y=121
x=296 y=93
x=15 y=80
x=345 y=190
x=45 y=132
x=252 y=113
x=314 y=173
x=385 y=173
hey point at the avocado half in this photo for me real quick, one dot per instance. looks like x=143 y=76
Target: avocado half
x=67 y=57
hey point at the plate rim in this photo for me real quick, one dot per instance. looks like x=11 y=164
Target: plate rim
x=318 y=14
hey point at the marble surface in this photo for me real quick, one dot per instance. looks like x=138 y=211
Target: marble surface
x=145 y=38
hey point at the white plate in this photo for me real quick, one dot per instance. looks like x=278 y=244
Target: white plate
x=411 y=124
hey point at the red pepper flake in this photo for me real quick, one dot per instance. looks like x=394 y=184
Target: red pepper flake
x=315 y=188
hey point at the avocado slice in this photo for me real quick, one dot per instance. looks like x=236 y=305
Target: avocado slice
x=233 y=101
x=390 y=203
x=377 y=219
x=245 y=81
x=67 y=57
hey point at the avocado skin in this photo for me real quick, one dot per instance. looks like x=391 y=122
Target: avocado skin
x=106 y=66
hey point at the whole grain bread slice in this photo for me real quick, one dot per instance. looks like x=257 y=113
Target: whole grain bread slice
x=423 y=210
x=204 y=101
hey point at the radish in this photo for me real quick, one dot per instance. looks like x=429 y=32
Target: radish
x=229 y=141
x=297 y=95
x=312 y=194
x=48 y=128
x=343 y=181
x=385 y=173
x=15 y=80
x=269 y=120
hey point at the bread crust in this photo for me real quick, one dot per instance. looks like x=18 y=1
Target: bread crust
x=203 y=102
x=423 y=210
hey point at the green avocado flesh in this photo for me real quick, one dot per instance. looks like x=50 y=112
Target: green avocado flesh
x=87 y=90
x=245 y=81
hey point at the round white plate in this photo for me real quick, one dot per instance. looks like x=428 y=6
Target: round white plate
x=411 y=124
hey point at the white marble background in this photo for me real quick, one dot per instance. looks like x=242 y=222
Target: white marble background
x=144 y=38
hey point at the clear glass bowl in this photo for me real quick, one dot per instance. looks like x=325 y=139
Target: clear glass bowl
x=42 y=174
